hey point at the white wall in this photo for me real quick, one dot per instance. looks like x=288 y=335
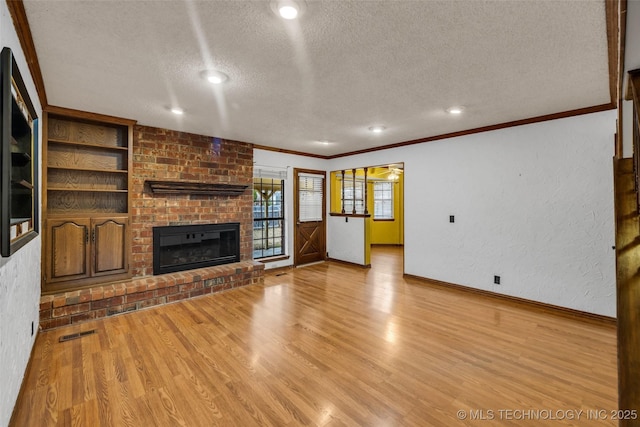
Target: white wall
x=631 y=62
x=19 y=274
x=345 y=239
x=265 y=158
x=532 y=204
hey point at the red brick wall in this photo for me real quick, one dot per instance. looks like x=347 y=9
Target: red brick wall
x=161 y=154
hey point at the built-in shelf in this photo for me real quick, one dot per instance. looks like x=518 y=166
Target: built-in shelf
x=19 y=207
x=22 y=183
x=87 y=144
x=89 y=190
x=367 y=215
x=88 y=169
x=87 y=181
x=186 y=187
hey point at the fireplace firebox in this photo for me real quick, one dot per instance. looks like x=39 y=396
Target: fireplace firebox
x=185 y=247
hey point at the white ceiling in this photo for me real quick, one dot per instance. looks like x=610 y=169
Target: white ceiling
x=340 y=68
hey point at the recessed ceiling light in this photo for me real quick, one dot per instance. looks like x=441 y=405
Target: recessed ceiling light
x=288 y=11
x=377 y=129
x=215 y=77
x=455 y=110
x=178 y=111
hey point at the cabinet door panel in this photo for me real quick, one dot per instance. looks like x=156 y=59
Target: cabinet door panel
x=110 y=252
x=68 y=249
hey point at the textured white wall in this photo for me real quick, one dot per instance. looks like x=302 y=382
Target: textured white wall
x=19 y=274
x=345 y=240
x=267 y=158
x=532 y=204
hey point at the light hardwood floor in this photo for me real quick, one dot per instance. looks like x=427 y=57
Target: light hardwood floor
x=327 y=344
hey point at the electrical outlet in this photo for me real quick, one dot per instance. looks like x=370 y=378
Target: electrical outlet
x=496 y=280
x=452 y=218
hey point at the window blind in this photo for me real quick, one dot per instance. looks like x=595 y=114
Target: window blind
x=310 y=190
x=269 y=172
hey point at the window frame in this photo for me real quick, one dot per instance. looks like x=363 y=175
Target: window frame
x=266 y=219
x=389 y=200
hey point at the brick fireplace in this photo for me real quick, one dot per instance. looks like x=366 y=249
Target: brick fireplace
x=161 y=155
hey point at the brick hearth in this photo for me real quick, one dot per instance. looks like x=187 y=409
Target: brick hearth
x=161 y=154
x=107 y=300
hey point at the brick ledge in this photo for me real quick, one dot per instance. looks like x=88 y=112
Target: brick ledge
x=72 y=307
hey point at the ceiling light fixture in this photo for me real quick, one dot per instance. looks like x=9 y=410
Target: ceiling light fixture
x=455 y=110
x=288 y=9
x=288 y=12
x=377 y=129
x=215 y=77
x=177 y=111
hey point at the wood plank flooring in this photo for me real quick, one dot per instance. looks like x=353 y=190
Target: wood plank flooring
x=327 y=345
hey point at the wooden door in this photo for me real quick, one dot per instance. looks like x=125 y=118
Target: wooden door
x=110 y=246
x=310 y=211
x=67 y=252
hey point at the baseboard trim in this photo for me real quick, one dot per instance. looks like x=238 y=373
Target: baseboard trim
x=353 y=264
x=541 y=306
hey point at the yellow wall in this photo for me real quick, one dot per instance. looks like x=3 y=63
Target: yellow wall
x=336 y=193
x=389 y=232
x=381 y=232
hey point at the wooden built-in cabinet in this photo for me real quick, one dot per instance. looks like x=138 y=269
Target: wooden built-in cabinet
x=81 y=248
x=86 y=181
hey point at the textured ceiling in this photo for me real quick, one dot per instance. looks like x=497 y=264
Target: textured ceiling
x=339 y=69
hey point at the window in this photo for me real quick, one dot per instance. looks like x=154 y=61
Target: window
x=349 y=192
x=382 y=200
x=310 y=191
x=268 y=217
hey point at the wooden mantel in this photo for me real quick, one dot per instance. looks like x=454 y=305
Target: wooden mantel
x=201 y=188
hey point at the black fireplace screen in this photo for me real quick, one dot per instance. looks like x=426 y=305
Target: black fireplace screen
x=185 y=247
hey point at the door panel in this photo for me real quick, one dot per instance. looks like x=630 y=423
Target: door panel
x=110 y=246
x=311 y=246
x=309 y=208
x=68 y=249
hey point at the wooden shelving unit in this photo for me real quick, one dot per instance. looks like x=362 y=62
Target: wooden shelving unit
x=86 y=181
x=19 y=213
